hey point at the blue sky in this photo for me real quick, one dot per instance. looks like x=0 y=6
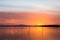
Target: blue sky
x=36 y=5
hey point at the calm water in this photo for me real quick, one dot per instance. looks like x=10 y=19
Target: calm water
x=29 y=33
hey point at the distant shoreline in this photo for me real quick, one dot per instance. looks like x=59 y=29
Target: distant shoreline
x=29 y=25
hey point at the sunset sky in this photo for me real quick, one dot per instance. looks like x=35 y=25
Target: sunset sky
x=29 y=11
x=29 y=18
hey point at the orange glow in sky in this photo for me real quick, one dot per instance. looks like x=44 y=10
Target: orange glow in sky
x=31 y=18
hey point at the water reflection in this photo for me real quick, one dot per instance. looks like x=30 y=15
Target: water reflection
x=30 y=33
x=51 y=33
x=14 y=33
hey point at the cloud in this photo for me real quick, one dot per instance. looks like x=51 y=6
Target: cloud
x=29 y=7
x=6 y=17
x=27 y=18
